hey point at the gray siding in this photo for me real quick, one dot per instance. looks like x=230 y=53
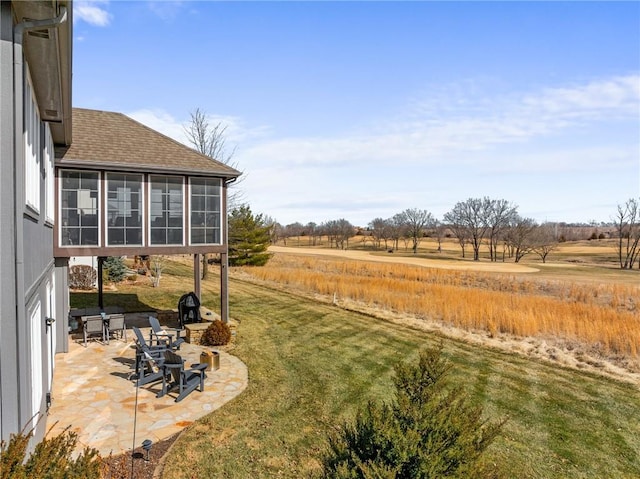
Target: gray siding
x=38 y=248
x=26 y=264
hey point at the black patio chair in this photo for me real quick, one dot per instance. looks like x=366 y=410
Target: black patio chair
x=159 y=335
x=92 y=326
x=186 y=380
x=149 y=361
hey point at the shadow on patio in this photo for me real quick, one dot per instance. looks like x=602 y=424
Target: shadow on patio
x=93 y=394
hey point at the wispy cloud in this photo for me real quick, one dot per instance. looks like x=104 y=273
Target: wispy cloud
x=465 y=127
x=236 y=132
x=433 y=157
x=92 y=12
x=165 y=9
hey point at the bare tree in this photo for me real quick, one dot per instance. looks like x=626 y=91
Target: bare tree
x=471 y=215
x=398 y=227
x=627 y=223
x=344 y=230
x=416 y=221
x=312 y=231
x=378 y=227
x=275 y=229
x=518 y=237
x=460 y=232
x=439 y=229
x=210 y=140
x=544 y=240
x=157 y=263
x=294 y=229
x=338 y=231
x=499 y=213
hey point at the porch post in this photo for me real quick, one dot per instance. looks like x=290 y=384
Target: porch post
x=196 y=276
x=224 y=287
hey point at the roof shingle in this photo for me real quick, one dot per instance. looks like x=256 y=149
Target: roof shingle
x=115 y=141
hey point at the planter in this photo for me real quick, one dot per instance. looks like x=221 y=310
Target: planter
x=211 y=359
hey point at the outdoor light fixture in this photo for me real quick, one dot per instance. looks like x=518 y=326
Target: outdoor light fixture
x=146 y=445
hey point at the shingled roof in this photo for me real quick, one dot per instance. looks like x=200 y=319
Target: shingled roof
x=113 y=141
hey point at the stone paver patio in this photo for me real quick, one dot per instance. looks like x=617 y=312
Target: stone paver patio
x=93 y=394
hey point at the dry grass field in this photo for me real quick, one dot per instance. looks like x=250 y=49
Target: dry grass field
x=580 y=314
x=314 y=362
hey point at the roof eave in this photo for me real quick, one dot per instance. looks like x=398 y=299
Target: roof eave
x=136 y=168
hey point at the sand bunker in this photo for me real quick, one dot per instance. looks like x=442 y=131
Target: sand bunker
x=393 y=258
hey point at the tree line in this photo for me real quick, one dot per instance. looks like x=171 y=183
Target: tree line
x=474 y=223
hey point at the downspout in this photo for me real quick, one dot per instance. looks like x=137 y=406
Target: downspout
x=19 y=192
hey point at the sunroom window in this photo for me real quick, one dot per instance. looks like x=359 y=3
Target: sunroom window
x=166 y=210
x=205 y=211
x=79 y=208
x=124 y=209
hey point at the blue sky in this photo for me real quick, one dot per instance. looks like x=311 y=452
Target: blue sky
x=360 y=110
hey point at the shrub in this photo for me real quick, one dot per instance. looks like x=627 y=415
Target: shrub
x=429 y=431
x=114 y=269
x=51 y=458
x=217 y=334
x=82 y=276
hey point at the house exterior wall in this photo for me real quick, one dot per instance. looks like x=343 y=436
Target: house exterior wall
x=9 y=383
x=27 y=273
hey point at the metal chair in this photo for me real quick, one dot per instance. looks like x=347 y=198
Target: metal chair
x=115 y=323
x=149 y=361
x=93 y=325
x=159 y=335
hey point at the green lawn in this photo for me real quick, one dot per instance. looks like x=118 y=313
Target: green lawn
x=311 y=365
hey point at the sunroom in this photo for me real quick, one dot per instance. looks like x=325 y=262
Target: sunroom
x=124 y=189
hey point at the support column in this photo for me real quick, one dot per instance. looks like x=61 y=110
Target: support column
x=196 y=276
x=224 y=287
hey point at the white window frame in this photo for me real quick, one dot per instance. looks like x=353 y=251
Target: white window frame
x=105 y=214
x=220 y=212
x=32 y=146
x=184 y=191
x=99 y=212
x=50 y=184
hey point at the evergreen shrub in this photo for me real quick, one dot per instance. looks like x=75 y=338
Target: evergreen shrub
x=430 y=431
x=52 y=458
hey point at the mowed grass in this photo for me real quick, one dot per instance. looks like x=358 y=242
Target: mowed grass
x=312 y=365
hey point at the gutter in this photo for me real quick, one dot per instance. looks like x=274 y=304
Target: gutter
x=19 y=195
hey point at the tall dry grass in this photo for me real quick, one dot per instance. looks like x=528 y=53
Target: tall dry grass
x=603 y=316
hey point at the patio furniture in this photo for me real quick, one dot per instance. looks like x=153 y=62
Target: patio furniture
x=92 y=326
x=159 y=335
x=115 y=323
x=149 y=361
x=188 y=309
x=186 y=380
